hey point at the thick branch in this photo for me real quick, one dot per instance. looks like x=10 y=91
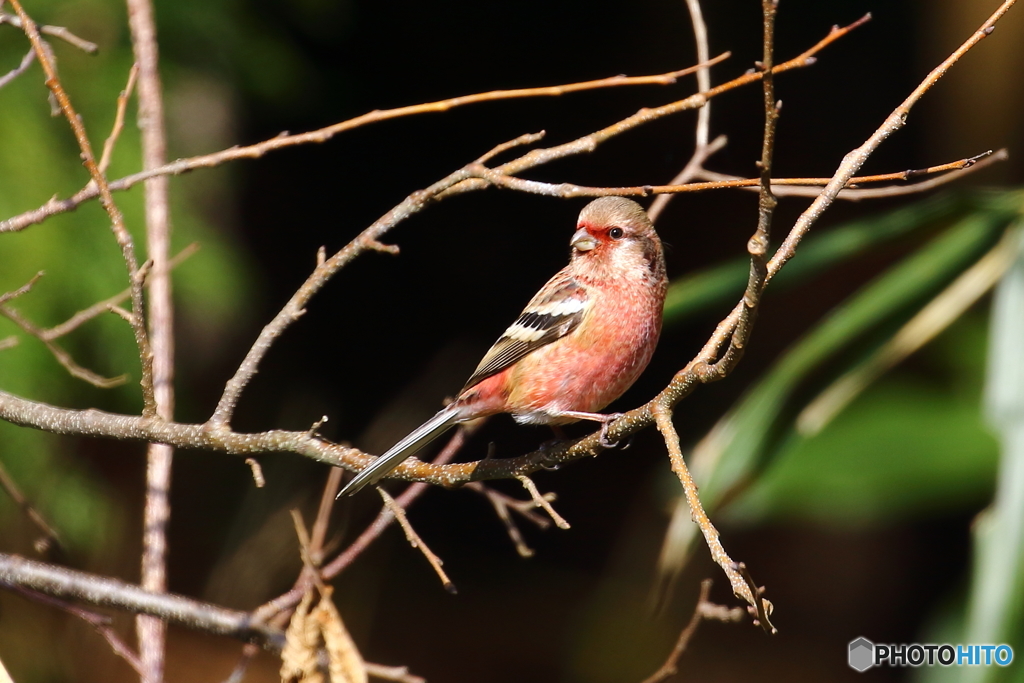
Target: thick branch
x=103 y=592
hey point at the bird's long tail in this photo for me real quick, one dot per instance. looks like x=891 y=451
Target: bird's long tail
x=417 y=439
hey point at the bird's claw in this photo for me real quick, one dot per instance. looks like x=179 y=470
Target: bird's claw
x=603 y=438
x=541 y=458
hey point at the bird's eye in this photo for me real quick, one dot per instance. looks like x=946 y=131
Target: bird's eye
x=616 y=233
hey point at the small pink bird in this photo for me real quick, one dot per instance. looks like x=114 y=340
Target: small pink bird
x=583 y=339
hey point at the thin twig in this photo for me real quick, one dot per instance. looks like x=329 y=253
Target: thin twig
x=257 y=472
x=693 y=169
x=702 y=149
x=781 y=189
x=503 y=504
x=21 y=291
x=51 y=539
x=100 y=622
x=415 y=541
x=317 y=546
x=115 y=131
x=100 y=307
x=69 y=584
x=61 y=356
x=383 y=520
x=671 y=666
x=570 y=190
x=55 y=31
x=26 y=62
x=663 y=417
x=582 y=145
x=399 y=674
x=249 y=652
x=542 y=502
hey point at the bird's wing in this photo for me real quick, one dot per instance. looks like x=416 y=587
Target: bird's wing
x=554 y=312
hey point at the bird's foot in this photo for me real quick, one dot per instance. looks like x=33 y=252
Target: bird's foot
x=603 y=438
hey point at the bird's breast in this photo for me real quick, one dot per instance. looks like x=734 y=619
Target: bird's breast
x=596 y=363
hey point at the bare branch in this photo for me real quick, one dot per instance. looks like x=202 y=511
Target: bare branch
x=399 y=674
x=671 y=666
x=62 y=356
x=585 y=144
x=503 y=504
x=700 y=34
x=781 y=187
x=663 y=416
x=693 y=169
x=569 y=190
x=159 y=457
x=55 y=31
x=702 y=150
x=115 y=131
x=26 y=62
x=100 y=591
x=100 y=307
x=317 y=545
x=415 y=541
x=384 y=519
x=122 y=235
x=20 y=291
x=51 y=539
x=100 y=622
x=542 y=501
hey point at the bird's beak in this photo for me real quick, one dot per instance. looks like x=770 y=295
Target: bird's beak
x=583 y=240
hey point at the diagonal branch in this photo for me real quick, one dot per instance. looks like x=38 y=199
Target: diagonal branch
x=469 y=178
x=585 y=144
x=570 y=190
x=70 y=584
x=55 y=31
x=321 y=135
x=121 y=233
x=26 y=62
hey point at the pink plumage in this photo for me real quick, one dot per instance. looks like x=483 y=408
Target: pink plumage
x=579 y=344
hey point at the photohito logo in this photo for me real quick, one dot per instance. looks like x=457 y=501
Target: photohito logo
x=863 y=654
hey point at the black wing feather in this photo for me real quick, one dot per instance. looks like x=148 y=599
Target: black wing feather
x=538 y=325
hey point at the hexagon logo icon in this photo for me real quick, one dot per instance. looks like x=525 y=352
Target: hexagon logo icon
x=862 y=654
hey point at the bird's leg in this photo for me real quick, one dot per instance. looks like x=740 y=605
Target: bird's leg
x=605 y=420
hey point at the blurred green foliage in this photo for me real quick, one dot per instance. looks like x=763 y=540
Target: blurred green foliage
x=910 y=445
x=82 y=262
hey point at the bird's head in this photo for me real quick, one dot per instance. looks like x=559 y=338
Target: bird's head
x=614 y=237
